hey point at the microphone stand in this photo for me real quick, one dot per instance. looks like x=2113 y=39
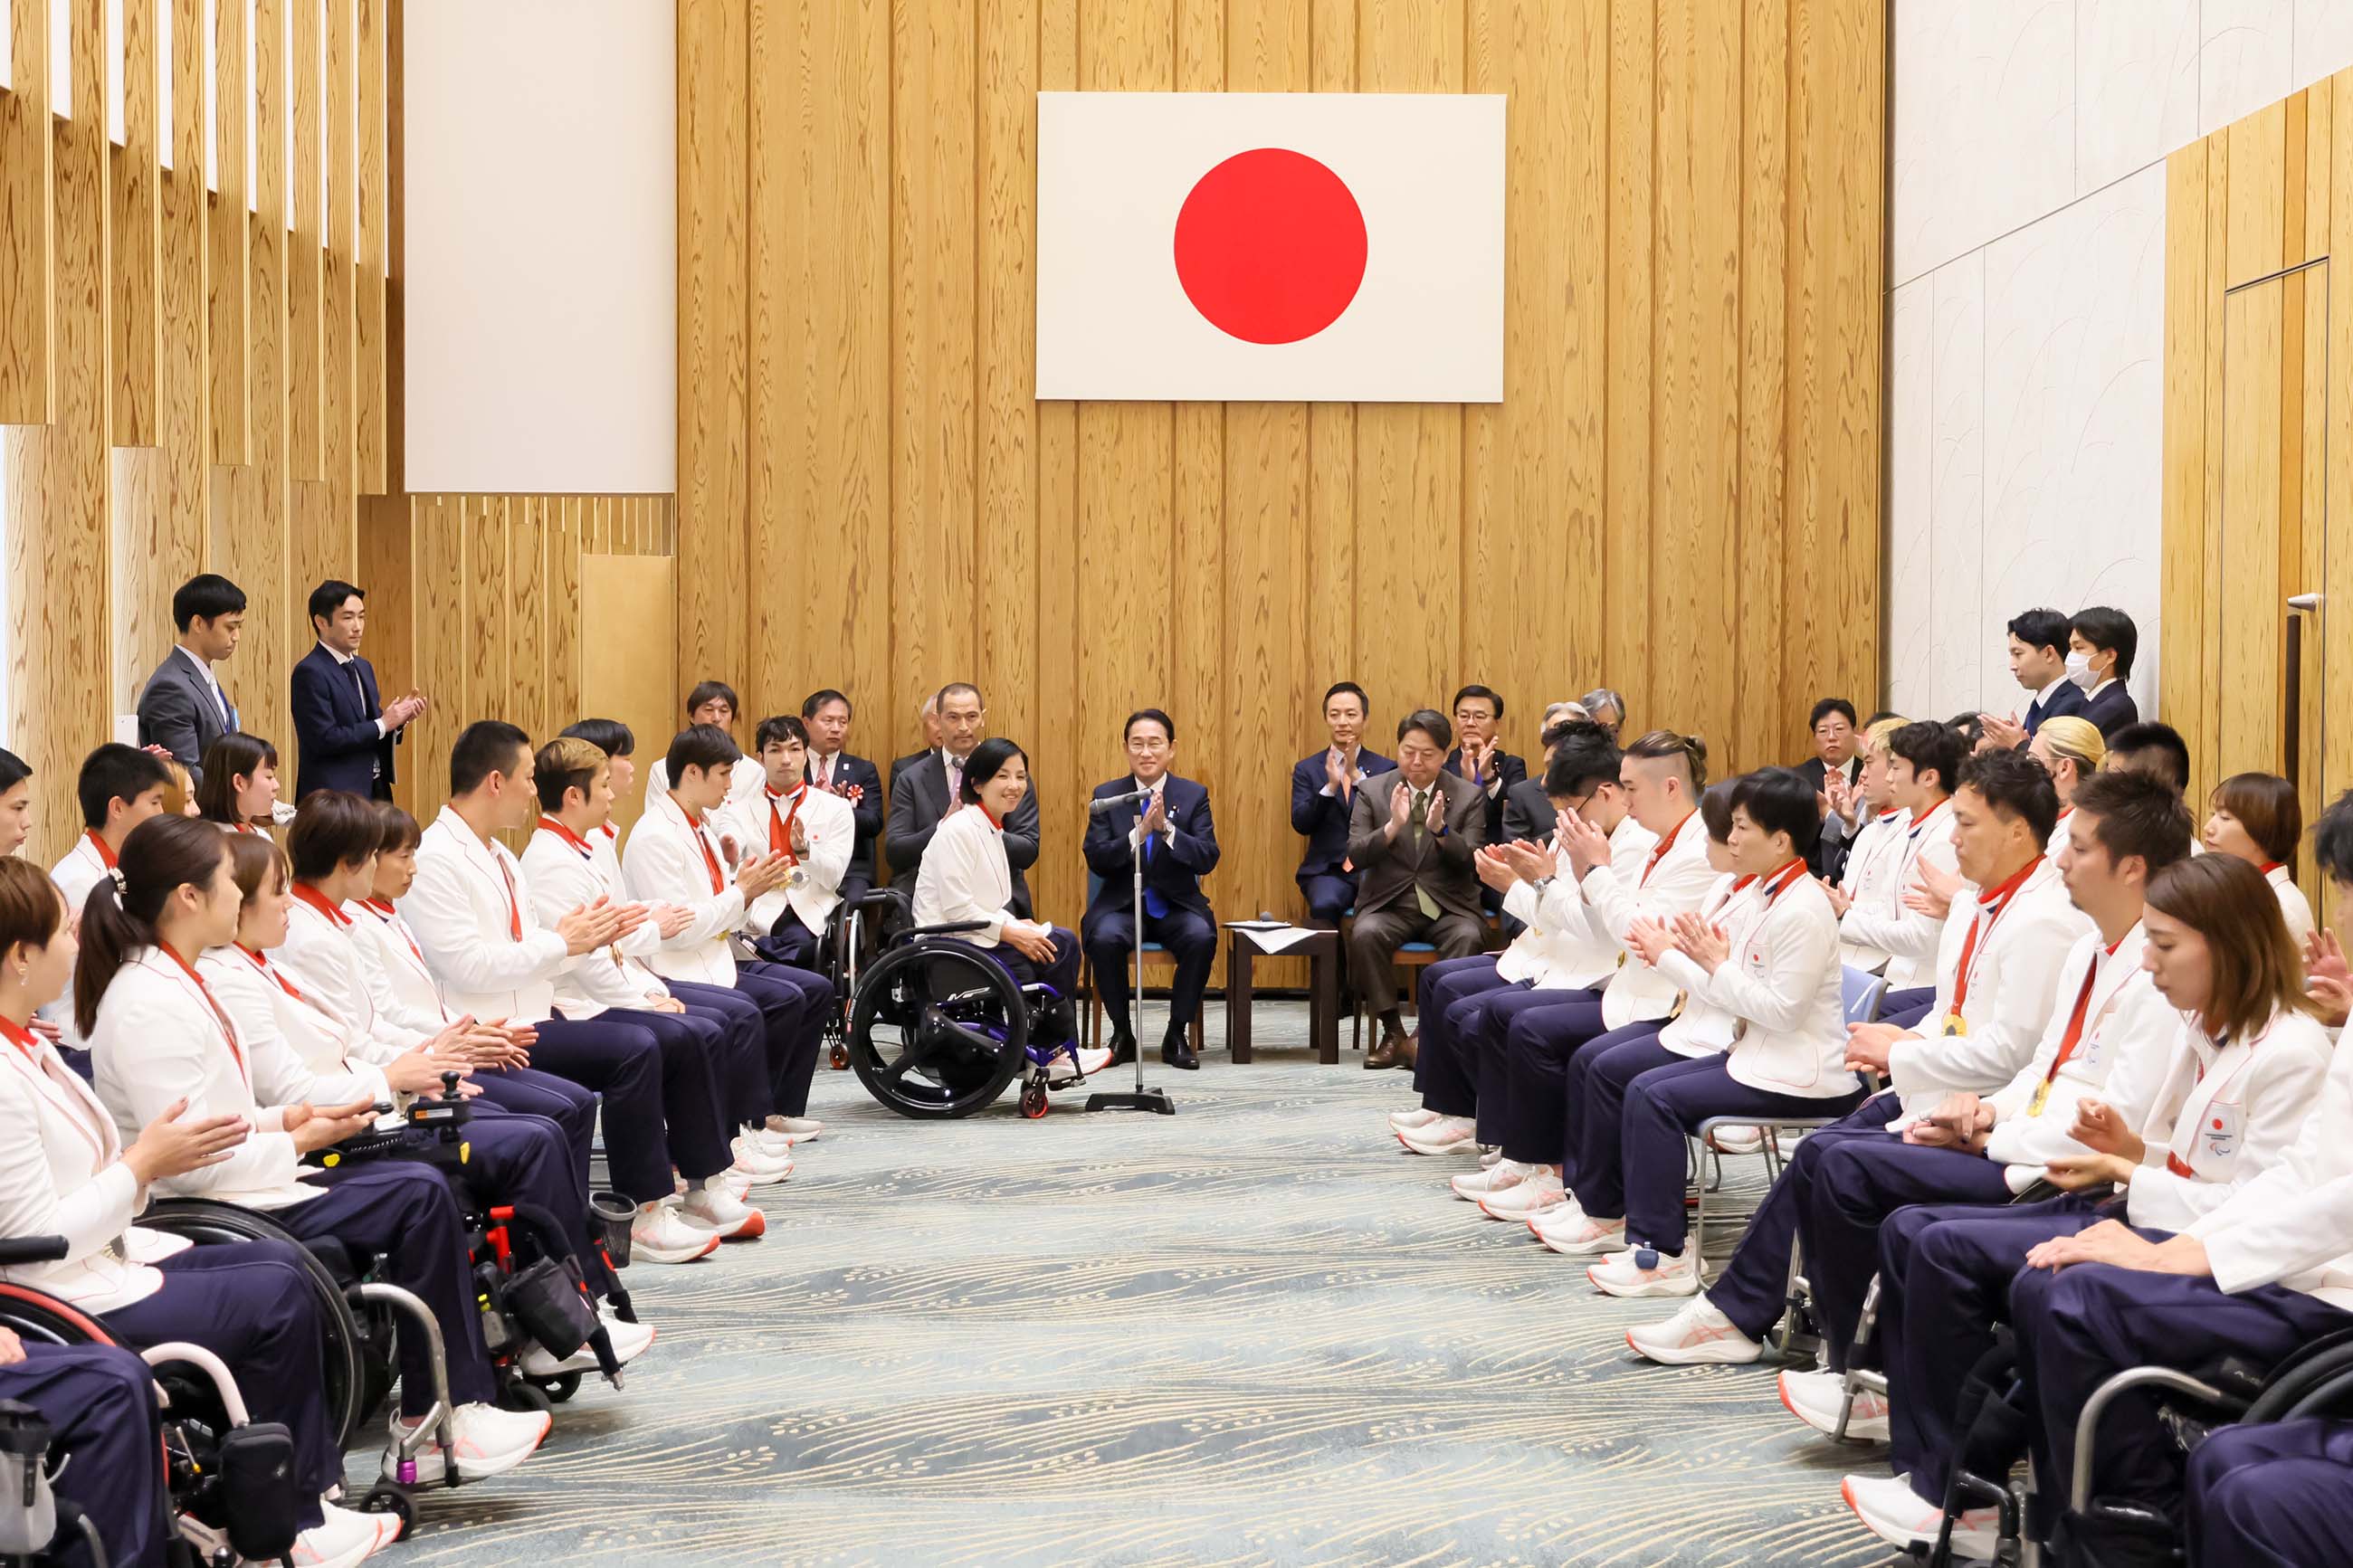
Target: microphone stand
x=1141 y=1099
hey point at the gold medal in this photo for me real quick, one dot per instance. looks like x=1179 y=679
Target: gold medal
x=2042 y=1097
x=1955 y=1026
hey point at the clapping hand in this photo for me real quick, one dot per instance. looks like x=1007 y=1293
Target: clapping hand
x=1650 y=937
x=1495 y=868
x=1156 y=819
x=2325 y=979
x=1586 y=844
x=1702 y=943
x=1997 y=733
x=1530 y=862
x=1434 y=819
x=1932 y=889
x=1840 y=901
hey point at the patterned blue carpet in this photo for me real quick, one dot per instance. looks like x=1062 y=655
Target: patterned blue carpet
x=1256 y=1332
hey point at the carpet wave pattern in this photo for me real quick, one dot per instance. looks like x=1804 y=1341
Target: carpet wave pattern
x=1256 y=1332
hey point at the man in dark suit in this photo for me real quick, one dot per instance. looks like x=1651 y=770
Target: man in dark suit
x=929 y=787
x=1480 y=755
x=2038 y=661
x=1323 y=790
x=343 y=733
x=1181 y=847
x=1413 y=837
x=831 y=768
x=1833 y=723
x=2101 y=642
x=1529 y=812
x=183 y=708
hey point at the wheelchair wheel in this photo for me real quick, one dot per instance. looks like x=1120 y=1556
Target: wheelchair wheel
x=1034 y=1102
x=937 y=1031
x=44 y=1320
x=349 y=1370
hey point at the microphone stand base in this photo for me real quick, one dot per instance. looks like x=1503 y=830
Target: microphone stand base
x=1155 y=1101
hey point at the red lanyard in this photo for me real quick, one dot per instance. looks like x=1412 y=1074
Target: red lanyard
x=25 y=1040
x=270 y=970
x=323 y=904
x=391 y=916
x=1659 y=850
x=1983 y=922
x=229 y=1030
x=780 y=832
x=514 y=910
x=710 y=861
x=578 y=843
x=105 y=856
x=2068 y=1041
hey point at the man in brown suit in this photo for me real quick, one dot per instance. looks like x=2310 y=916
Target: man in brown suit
x=1412 y=836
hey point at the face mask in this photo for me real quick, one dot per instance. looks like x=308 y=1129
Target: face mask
x=2079 y=670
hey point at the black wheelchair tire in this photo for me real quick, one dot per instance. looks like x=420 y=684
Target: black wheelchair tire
x=918 y=964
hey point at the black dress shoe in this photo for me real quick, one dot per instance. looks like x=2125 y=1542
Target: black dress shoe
x=1178 y=1051
x=1123 y=1047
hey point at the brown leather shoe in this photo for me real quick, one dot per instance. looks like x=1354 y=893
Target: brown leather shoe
x=1389 y=1053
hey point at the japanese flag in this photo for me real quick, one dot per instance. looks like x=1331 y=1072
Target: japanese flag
x=1271 y=247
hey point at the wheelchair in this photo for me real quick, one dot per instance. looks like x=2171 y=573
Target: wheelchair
x=230 y=1479
x=841 y=952
x=936 y=1031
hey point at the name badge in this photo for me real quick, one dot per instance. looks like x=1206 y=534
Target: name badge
x=2222 y=1132
x=1757 y=960
x=1955 y=1025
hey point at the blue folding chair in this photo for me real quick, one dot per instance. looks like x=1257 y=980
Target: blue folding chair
x=1156 y=958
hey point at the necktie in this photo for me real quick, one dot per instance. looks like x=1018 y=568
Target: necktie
x=955 y=783
x=825 y=772
x=1154 y=904
x=1420 y=813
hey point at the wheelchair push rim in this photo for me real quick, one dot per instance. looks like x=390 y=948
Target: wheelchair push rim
x=937 y=1031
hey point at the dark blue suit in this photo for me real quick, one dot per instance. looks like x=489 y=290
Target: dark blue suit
x=2065 y=699
x=2112 y=709
x=1175 y=913
x=866 y=811
x=334 y=728
x=1322 y=820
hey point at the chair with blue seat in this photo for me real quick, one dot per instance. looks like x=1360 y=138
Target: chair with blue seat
x=1156 y=959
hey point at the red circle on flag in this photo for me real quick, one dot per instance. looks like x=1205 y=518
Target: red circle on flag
x=1270 y=246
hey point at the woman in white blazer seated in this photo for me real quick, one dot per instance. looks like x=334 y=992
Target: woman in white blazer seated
x=512 y=1158
x=2256 y=817
x=1773 y=964
x=965 y=877
x=65 y=1171
x=161 y=1038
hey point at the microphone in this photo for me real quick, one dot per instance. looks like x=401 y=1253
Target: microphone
x=1111 y=803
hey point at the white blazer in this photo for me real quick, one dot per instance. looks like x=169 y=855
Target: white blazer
x=2292 y=1224
x=400 y=985
x=832 y=823
x=61 y=1174
x=1872 y=863
x=159 y=1040
x=1558 y=953
x=2013 y=983
x=669 y=861
x=2295 y=907
x=1908 y=937
x=562 y=879
x=1704 y=1027
x=965 y=877
x=82 y=868
x=2226 y=1113
x=322 y=957
x=1782 y=980
x=2126 y=1022
x=272 y=1019
x=1657 y=883
x=469 y=900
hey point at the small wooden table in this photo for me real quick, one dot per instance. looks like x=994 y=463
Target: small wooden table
x=1322 y=952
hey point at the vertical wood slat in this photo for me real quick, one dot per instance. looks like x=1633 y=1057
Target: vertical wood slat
x=2187 y=278
x=1761 y=697
x=230 y=281
x=370 y=258
x=338 y=319
x=183 y=367
x=1626 y=552
x=134 y=304
x=305 y=452
x=28 y=224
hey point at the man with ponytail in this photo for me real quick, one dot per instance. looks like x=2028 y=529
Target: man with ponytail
x=162 y=1044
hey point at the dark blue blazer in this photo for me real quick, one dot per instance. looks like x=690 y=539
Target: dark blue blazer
x=1323 y=819
x=2112 y=709
x=334 y=728
x=1174 y=870
x=2068 y=699
x=867 y=812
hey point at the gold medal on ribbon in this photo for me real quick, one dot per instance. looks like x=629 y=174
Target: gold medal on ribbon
x=1955 y=1025
x=2042 y=1097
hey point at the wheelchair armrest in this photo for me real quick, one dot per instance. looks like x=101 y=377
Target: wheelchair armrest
x=32 y=1249
x=951 y=929
x=879 y=899
x=2163 y=1379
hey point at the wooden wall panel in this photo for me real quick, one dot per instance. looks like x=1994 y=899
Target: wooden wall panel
x=27 y=222
x=136 y=240
x=304 y=42
x=229 y=283
x=1689 y=435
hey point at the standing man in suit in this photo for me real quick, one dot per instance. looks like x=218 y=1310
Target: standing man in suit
x=1181 y=847
x=927 y=716
x=343 y=735
x=183 y=708
x=2038 y=661
x=931 y=786
x=1480 y=757
x=1323 y=790
x=2101 y=642
x=833 y=770
x=1414 y=837
x=1832 y=770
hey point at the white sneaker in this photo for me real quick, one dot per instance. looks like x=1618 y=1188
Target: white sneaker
x=1446 y=1135
x=630 y=1342
x=737 y=1182
x=723 y=1213
x=756 y=1165
x=1490 y=1154
x=1583 y=1237
x=1698 y=1335
x=343 y=1538
x=771 y=1142
x=1058 y=1074
x=1522 y=1200
x=1896 y=1515
x=487 y=1441
x=800 y=1129
x=1419 y=1116
x=1472 y=1185
x=1646 y=1272
x=659 y=1236
x=1739 y=1140
x=1814 y=1397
